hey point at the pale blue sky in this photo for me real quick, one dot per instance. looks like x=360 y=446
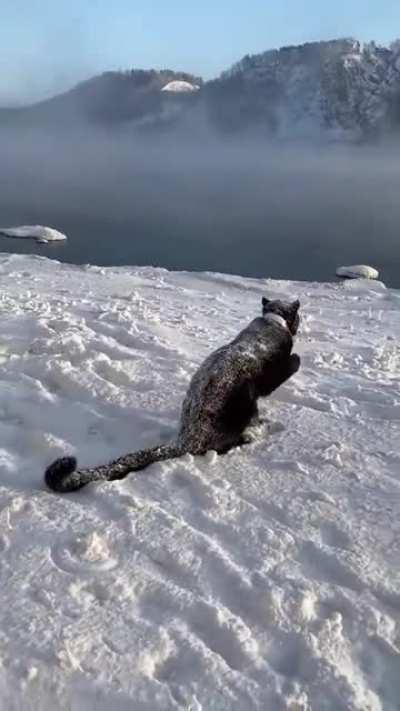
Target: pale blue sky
x=48 y=45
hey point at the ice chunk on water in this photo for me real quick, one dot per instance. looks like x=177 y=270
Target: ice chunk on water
x=358 y=271
x=38 y=232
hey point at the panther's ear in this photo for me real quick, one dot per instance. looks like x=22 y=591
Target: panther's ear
x=295 y=306
x=265 y=301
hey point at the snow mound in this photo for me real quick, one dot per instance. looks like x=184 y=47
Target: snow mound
x=358 y=271
x=180 y=87
x=365 y=285
x=268 y=578
x=38 y=232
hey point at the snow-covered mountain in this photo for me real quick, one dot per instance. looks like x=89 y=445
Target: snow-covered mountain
x=264 y=580
x=137 y=97
x=339 y=88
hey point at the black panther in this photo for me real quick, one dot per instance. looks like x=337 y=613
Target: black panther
x=221 y=402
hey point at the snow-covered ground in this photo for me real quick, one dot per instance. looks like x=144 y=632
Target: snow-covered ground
x=265 y=579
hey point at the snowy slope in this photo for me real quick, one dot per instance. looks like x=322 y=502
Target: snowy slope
x=341 y=89
x=180 y=87
x=266 y=579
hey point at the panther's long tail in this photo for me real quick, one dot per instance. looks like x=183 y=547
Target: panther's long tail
x=63 y=476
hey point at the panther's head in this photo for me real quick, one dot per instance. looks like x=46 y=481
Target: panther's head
x=288 y=310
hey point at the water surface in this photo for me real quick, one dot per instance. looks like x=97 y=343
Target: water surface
x=288 y=213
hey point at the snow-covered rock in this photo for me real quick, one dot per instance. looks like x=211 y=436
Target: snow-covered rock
x=180 y=87
x=357 y=271
x=38 y=232
x=268 y=578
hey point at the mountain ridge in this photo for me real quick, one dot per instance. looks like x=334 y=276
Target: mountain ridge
x=336 y=89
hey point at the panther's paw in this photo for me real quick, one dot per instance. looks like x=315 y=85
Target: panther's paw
x=294 y=363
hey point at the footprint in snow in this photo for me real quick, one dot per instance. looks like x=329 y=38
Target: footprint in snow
x=327 y=568
x=192 y=489
x=224 y=634
x=85 y=554
x=383 y=660
x=333 y=536
x=4 y=543
x=291 y=656
x=112 y=373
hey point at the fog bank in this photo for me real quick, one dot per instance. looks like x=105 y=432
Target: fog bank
x=246 y=207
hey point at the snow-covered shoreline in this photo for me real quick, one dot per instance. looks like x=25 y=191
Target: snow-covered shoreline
x=265 y=579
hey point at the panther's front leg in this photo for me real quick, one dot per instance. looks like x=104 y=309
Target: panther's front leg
x=293 y=365
x=273 y=377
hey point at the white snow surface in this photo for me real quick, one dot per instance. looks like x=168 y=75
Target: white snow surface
x=265 y=579
x=180 y=87
x=358 y=271
x=38 y=232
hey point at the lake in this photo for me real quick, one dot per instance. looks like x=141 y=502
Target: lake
x=283 y=212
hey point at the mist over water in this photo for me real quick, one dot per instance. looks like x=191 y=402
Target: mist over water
x=251 y=208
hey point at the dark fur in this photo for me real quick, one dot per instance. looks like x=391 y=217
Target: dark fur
x=221 y=402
